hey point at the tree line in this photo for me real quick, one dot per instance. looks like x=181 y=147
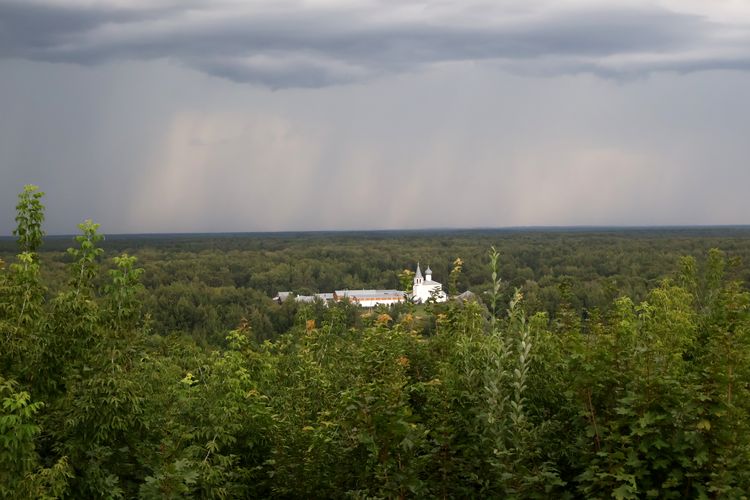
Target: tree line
x=202 y=286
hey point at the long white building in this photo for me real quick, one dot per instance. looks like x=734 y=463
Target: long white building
x=423 y=289
x=370 y=298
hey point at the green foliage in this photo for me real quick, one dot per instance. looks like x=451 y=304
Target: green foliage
x=454 y=276
x=21 y=314
x=495 y=290
x=85 y=258
x=642 y=392
x=21 y=476
x=29 y=218
x=123 y=307
x=17 y=433
x=406 y=280
x=201 y=286
x=21 y=290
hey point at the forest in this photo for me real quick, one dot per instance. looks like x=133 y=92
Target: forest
x=592 y=363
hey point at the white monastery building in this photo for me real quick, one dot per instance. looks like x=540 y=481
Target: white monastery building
x=423 y=289
x=369 y=298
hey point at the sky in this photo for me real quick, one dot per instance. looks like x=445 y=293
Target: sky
x=258 y=115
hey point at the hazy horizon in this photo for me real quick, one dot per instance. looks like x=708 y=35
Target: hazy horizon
x=508 y=229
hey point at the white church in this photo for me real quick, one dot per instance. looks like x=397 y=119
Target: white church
x=424 y=287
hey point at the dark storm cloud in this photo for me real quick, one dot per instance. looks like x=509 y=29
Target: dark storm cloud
x=35 y=30
x=293 y=44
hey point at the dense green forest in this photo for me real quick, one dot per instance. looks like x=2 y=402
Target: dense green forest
x=203 y=285
x=593 y=364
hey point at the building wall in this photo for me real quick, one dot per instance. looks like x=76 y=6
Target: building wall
x=374 y=302
x=369 y=298
x=421 y=293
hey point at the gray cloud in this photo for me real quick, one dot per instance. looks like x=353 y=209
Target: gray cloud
x=449 y=123
x=283 y=44
x=37 y=30
x=154 y=147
